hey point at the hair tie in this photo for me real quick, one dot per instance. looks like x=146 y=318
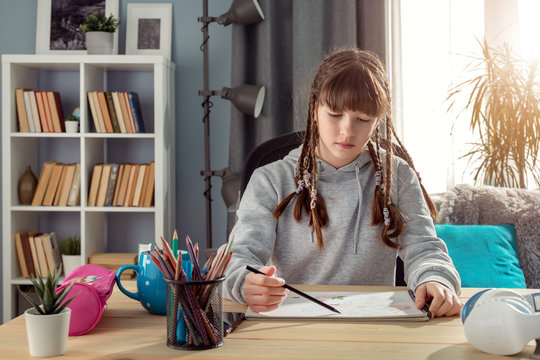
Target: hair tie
x=300 y=186
x=378 y=177
x=313 y=198
x=386 y=214
x=307 y=178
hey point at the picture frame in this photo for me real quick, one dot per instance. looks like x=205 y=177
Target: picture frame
x=58 y=32
x=149 y=29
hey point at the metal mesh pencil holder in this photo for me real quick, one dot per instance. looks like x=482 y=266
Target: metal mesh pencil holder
x=194 y=314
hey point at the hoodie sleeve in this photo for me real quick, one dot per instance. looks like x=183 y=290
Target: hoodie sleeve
x=254 y=233
x=424 y=255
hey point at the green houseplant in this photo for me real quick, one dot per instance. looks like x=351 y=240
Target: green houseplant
x=72 y=124
x=99 y=31
x=503 y=96
x=71 y=253
x=47 y=322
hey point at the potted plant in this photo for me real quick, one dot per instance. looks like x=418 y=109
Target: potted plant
x=72 y=124
x=503 y=94
x=99 y=31
x=47 y=324
x=71 y=253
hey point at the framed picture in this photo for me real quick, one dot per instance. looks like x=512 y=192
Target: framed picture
x=149 y=29
x=57 y=30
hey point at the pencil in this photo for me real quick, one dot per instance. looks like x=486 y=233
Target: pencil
x=301 y=293
x=235 y=324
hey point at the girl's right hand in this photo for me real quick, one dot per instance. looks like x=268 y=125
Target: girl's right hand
x=264 y=292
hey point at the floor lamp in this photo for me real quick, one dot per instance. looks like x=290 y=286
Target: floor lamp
x=246 y=98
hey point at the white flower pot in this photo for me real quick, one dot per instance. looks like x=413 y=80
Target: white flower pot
x=47 y=334
x=72 y=126
x=70 y=263
x=99 y=42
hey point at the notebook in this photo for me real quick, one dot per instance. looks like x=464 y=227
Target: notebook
x=364 y=306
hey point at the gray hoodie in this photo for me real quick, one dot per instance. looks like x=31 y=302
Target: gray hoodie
x=353 y=251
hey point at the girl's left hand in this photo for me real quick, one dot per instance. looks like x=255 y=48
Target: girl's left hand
x=444 y=302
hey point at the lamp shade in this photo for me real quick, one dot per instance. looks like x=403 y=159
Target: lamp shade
x=243 y=12
x=249 y=99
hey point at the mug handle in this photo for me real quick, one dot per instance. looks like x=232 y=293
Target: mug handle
x=134 y=296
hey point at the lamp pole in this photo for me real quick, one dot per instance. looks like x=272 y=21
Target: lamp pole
x=207 y=173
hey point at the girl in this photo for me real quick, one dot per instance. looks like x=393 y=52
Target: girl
x=339 y=209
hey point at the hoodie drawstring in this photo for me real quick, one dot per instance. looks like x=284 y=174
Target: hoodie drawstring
x=356 y=239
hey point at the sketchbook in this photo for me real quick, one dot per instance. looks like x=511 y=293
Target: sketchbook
x=364 y=306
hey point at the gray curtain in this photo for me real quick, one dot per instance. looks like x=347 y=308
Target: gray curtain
x=283 y=52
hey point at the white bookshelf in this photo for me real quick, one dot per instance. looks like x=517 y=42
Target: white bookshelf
x=102 y=229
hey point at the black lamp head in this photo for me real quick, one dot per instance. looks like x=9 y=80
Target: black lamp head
x=243 y=12
x=247 y=98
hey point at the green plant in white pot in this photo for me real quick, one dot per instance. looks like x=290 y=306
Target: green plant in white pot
x=71 y=253
x=72 y=124
x=47 y=322
x=99 y=31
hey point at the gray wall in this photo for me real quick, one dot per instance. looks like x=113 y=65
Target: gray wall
x=18 y=34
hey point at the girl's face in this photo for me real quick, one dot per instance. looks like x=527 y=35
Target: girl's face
x=343 y=134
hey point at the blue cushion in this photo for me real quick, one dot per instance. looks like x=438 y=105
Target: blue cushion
x=484 y=255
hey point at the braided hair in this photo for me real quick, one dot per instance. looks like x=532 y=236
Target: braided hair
x=351 y=79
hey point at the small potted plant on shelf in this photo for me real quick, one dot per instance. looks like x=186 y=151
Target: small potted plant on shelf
x=72 y=124
x=71 y=253
x=47 y=323
x=99 y=31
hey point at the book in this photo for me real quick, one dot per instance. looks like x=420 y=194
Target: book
x=113 y=261
x=20 y=255
x=41 y=111
x=118 y=111
x=138 y=185
x=40 y=251
x=105 y=112
x=60 y=185
x=55 y=114
x=111 y=185
x=43 y=181
x=35 y=112
x=48 y=115
x=93 y=111
x=112 y=111
x=149 y=194
x=144 y=185
x=103 y=184
x=365 y=306
x=60 y=110
x=124 y=184
x=74 y=193
x=21 y=110
x=136 y=111
x=126 y=112
x=53 y=184
x=98 y=112
x=52 y=251
x=118 y=183
x=94 y=184
x=25 y=241
x=28 y=108
x=132 y=184
x=35 y=255
x=66 y=185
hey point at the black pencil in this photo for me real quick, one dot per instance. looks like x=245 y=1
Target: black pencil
x=303 y=294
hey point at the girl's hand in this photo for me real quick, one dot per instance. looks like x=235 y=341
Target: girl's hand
x=264 y=292
x=443 y=300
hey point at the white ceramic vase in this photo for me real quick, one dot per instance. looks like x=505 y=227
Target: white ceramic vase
x=47 y=334
x=70 y=263
x=72 y=126
x=99 y=42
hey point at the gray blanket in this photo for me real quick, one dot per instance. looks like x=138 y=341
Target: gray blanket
x=468 y=205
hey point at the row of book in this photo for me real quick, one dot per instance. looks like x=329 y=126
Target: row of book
x=58 y=185
x=116 y=111
x=37 y=253
x=122 y=185
x=39 y=111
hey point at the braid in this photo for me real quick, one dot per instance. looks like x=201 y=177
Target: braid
x=377 y=204
x=306 y=177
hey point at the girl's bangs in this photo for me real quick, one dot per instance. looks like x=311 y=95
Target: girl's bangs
x=355 y=90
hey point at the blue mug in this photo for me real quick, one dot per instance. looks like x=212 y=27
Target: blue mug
x=151 y=288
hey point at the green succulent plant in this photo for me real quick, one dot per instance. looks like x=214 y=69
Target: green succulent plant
x=51 y=301
x=99 y=22
x=72 y=118
x=72 y=245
